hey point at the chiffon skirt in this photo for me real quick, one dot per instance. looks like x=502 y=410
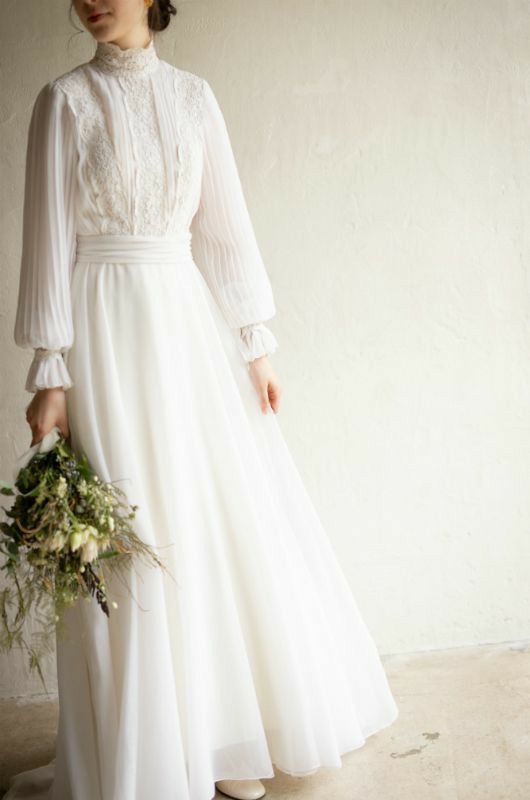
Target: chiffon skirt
x=249 y=651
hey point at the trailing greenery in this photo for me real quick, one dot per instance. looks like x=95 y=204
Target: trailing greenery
x=66 y=526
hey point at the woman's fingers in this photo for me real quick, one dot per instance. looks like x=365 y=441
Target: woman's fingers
x=266 y=384
x=264 y=399
x=62 y=424
x=47 y=410
x=274 y=395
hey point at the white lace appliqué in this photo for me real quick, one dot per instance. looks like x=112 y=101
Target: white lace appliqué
x=164 y=185
x=150 y=193
x=101 y=172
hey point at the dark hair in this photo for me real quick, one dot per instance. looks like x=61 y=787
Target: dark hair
x=159 y=14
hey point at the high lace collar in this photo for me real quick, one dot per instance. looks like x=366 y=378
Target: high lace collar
x=110 y=57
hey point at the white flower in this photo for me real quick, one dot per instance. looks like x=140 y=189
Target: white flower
x=89 y=551
x=57 y=541
x=61 y=486
x=80 y=536
x=76 y=540
x=111 y=523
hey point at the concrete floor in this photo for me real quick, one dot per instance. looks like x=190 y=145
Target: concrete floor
x=463 y=734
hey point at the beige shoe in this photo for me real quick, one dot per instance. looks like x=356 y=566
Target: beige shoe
x=242 y=790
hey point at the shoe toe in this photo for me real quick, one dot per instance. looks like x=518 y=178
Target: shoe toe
x=241 y=789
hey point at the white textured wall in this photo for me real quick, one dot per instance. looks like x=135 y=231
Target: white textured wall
x=384 y=147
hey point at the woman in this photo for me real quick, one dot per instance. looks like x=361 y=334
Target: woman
x=143 y=293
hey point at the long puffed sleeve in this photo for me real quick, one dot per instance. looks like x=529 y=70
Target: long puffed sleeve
x=224 y=243
x=43 y=317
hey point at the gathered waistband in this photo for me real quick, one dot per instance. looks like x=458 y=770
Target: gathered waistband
x=133 y=249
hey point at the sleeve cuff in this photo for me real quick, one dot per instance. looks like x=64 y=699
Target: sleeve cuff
x=48 y=370
x=256 y=340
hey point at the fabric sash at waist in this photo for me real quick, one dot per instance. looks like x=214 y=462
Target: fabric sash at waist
x=133 y=249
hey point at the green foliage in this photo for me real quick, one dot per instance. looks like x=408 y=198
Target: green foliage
x=65 y=523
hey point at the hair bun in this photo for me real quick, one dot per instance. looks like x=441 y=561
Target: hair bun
x=160 y=13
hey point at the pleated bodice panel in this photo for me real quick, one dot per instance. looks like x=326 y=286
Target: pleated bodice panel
x=138 y=141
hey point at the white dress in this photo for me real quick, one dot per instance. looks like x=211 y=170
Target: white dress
x=143 y=293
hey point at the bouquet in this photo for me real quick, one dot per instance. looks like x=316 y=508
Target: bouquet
x=66 y=525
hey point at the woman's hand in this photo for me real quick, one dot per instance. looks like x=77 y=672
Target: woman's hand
x=47 y=409
x=266 y=384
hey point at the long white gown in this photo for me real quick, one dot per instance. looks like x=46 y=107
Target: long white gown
x=143 y=293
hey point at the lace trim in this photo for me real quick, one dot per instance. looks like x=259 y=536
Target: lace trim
x=101 y=170
x=150 y=179
x=189 y=93
x=41 y=352
x=109 y=57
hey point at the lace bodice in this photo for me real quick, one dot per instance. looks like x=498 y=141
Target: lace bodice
x=142 y=165
x=126 y=143
x=134 y=68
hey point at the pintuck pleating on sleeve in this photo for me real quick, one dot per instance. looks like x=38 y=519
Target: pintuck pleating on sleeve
x=224 y=244
x=43 y=315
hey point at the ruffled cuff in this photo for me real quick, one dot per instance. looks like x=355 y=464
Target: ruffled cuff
x=47 y=370
x=256 y=340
